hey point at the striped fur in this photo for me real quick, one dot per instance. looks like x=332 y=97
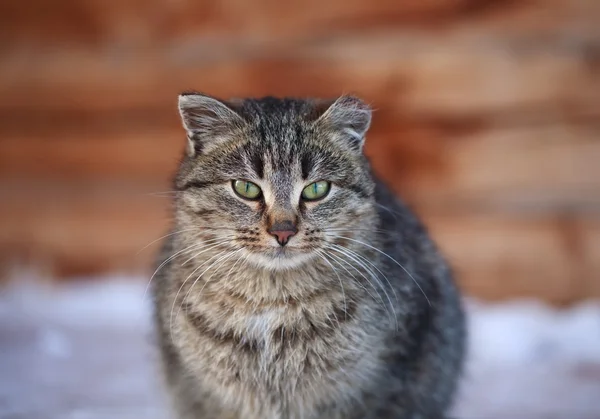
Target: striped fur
x=356 y=317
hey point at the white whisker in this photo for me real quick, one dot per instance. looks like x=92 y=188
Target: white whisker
x=373 y=275
x=394 y=213
x=223 y=259
x=214 y=242
x=393 y=260
x=368 y=230
x=163 y=237
x=361 y=257
x=173 y=256
x=340 y=262
x=191 y=274
x=235 y=264
x=339 y=279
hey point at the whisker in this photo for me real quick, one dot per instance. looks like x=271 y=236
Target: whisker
x=216 y=242
x=173 y=256
x=393 y=260
x=196 y=270
x=320 y=253
x=345 y=252
x=185 y=281
x=358 y=255
x=222 y=260
x=394 y=213
x=340 y=262
x=390 y=233
x=235 y=264
x=163 y=237
x=202 y=228
x=163 y=193
x=188 y=249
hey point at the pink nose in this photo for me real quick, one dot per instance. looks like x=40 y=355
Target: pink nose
x=282 y=231
x=283 y=236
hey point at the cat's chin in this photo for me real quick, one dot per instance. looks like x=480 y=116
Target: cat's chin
x=281 y=259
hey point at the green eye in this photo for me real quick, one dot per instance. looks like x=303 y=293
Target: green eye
x=316 y=190
x=246 y=189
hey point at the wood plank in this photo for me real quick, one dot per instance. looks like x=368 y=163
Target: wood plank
x=148 y=156
x=93 y=22
x=456 y=74
x=495 y=169
x=590 y=262
x=496 y=256
x=79 y=231
x=539 y=168
x=502 y=257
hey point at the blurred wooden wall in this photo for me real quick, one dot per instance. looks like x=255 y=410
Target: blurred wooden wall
x=487 y=121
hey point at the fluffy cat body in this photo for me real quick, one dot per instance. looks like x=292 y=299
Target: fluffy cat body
x=356 y=316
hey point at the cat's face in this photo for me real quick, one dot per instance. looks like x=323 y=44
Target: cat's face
x=277 y=181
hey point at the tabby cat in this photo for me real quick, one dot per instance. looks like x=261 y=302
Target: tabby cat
x=294 y=285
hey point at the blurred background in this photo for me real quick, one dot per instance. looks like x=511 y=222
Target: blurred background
x=487 y=122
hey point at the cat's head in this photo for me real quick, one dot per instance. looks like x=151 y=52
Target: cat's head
x=278 y=180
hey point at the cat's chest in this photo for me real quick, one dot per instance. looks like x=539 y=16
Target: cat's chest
x=290 y=343
x=279 y=343
x=261 y=326
x=281 y=355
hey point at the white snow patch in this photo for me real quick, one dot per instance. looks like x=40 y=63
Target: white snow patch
x=85 y=351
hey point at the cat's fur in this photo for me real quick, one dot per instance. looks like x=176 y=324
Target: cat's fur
x=356 y=317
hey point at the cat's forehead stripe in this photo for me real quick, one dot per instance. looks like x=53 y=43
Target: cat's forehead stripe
x=307 y=163
x=257 y=163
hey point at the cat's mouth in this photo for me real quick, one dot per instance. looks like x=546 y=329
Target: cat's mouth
x=283 y=252
x=283 y=257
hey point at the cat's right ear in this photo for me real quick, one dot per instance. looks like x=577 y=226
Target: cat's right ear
x=348 y=118
x=208 y=122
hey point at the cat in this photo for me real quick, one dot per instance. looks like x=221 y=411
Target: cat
x=294 y=285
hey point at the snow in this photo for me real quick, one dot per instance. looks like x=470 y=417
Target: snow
x=84 y=351
x=529 y=361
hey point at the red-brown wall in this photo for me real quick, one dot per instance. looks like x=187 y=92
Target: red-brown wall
x=487 y=121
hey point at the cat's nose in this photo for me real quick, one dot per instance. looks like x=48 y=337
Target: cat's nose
x=282 y=231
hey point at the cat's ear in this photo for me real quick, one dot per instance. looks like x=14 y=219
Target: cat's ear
x=349 y=118
x=207 y=121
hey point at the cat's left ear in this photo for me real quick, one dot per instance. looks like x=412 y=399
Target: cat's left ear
x=208 y=122
x=349 y=119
